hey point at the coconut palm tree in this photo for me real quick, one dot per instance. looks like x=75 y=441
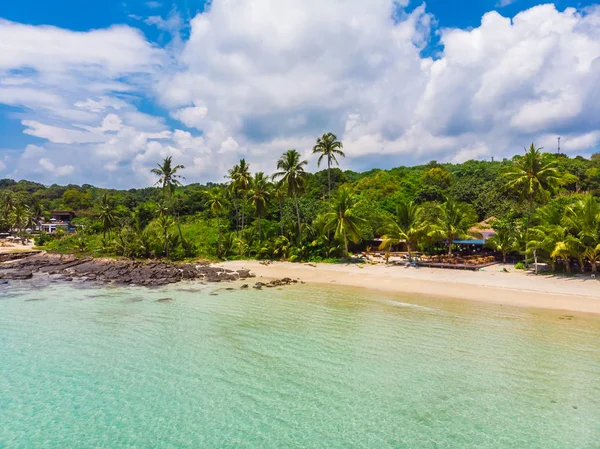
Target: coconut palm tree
x=280 y=196
x=328 y=147
x=20 y=215
x=504 y=240
x=164 y=223
x=260 y=193
x=583 y=219
x=169 y=180
x=106 y=214
x=240 y=182
x=217 y=204
x=293 y=176
x=343 y=219
x=408 y=227
x=454 y=221
x=532 y=178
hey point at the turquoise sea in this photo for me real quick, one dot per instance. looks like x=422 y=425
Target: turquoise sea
x=297 y=367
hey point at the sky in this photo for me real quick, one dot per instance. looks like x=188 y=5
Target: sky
x=99 y=92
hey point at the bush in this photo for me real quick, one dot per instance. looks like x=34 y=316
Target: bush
x=520 y=266
x=43 y=239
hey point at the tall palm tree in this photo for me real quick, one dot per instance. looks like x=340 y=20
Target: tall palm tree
x=240 y=182
x=217 y=204
x=20 y=214
x=293 y=176
x=408 y=227
x=454 y=222
x=532 y=178
x=280 y=196
x=169 y=180
x=164 y=223
x=260 y=193
x=328 y=147
x=343 y=218
x=106 y=214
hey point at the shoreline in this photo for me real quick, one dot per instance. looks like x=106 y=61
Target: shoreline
x=513 y=288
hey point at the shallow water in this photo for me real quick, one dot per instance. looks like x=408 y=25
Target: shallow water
x=302 y=366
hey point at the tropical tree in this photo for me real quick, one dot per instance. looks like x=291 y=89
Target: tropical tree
x=293 y=176
x=164 y=223
x=169 y=179
x=106 y=214
x=583 y=218
x=280 y=196
x=328 y=147
x=20 y=215
x=533 y=178
x=241 y=180
x=343 y=218
x=504 y=240
x=217 y=204
x=260 y=193
x=454 y=221
x=408 y=227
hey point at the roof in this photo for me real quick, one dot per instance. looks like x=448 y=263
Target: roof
x=469 y=242
x=485 y=225
x=62 y=212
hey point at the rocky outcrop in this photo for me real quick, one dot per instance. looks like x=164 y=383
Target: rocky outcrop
x=153 y=273
x=275 y=283
x=5 y=257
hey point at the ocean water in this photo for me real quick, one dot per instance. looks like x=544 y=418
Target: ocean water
x=195 y=366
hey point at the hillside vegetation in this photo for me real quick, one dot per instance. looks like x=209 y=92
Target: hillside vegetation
x=544 y=204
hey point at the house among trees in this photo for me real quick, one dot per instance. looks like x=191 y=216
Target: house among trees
x=61 y=219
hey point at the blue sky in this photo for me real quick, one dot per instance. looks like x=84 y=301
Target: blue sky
x=99 y=91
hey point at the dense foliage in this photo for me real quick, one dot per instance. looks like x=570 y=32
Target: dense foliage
x=544 y=204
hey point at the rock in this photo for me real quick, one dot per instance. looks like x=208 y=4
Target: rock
x=245 y=286
x=16 y=275
x=149 y=274
x=164 y=300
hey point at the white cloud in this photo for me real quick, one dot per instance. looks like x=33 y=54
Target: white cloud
x=2 y=166
x=254 y=86
x=62 y=170
x=192 y=117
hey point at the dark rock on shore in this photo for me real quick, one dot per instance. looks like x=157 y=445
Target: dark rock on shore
x=275 y=283
x=152 y=273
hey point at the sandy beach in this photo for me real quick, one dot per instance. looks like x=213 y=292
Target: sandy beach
x=515 y=288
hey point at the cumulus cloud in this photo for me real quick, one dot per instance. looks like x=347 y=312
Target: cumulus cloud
x=256 y=78
x=62 y=170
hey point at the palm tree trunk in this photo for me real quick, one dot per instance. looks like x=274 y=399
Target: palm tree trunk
x=345 y=245
x=298 y=215
x=568 y=265
x=166 y=245
x=259 y=225
x=243 y=214
x=594 y=265
x=281 y=216
x=218 y=237
x=409 y=251
x=237 y=215
x=329 y=177
x=503 y=257
x=529 y=212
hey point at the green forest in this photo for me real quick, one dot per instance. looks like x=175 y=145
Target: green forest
x=544 y=205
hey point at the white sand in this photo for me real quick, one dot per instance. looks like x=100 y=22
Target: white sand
x=515 y=288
